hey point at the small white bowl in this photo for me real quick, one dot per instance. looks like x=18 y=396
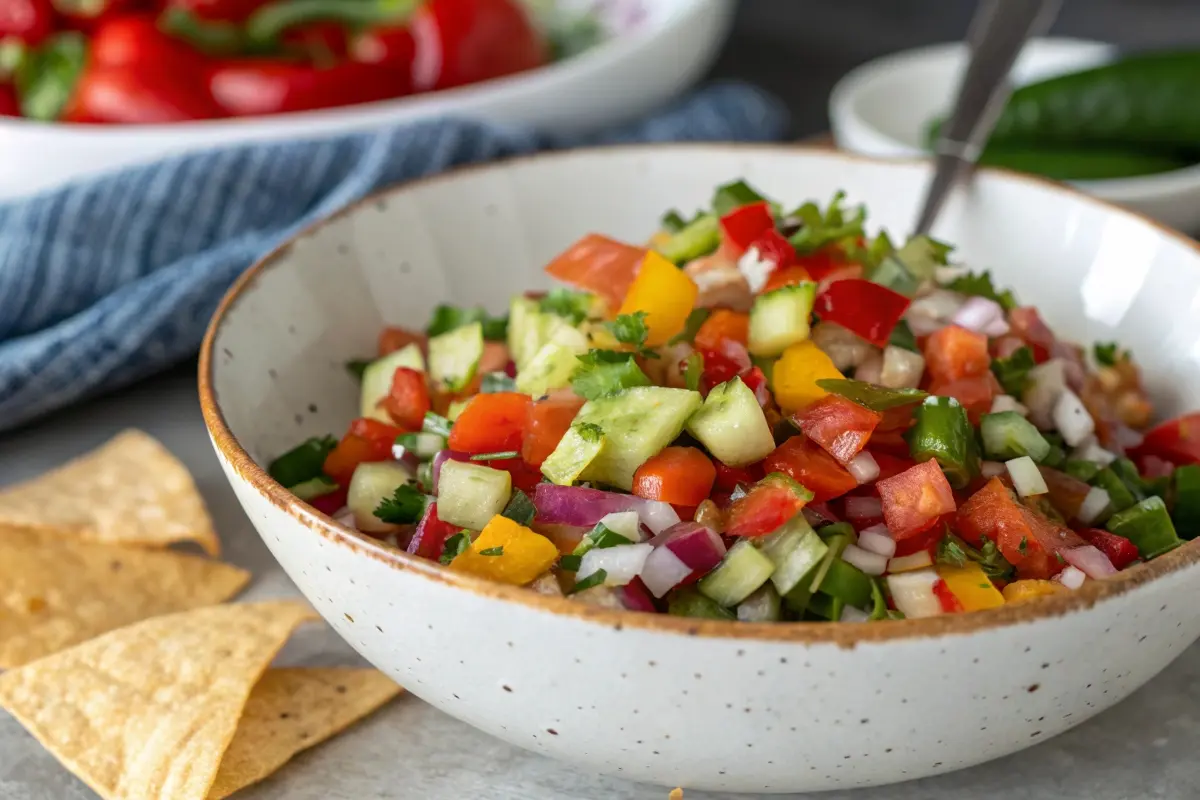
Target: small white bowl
x=659 y=48
x=702 y=704
x=883 y=108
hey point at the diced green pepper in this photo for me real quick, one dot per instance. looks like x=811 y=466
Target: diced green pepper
x=823 y=606
x=902 y=337
x=847 y=583
x=1007 y=435
x=303 y=462
x=1081 y=469
x=879 y=610
x=943 y=432
x=1128 y=473
x=1185 y=500
x=1119 y=495
x=1148 y=526
x=870 y=395
x=688 y=602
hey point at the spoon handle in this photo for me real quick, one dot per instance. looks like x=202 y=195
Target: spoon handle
x=998 y=31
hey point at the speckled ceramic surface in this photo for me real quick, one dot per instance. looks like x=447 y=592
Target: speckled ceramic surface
x=675 y=701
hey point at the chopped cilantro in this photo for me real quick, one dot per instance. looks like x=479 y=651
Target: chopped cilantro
x=597 y=578
x=455 y=546
x=951 y=553
x=734 y=195
x=954 y=552
x=447 y=318
x=567 y=303
x=902 y=337
x=1013 y=372
x=693 y=371
x=500 y=456
x=691 y=327
x=1108 y=354
x=570 y=563
x=630 y=329
x=818 y=229
x=493 y=551
x=981 y=286
x=520 y=508
x=497 y=382
x=436 y=423
x=404 y=507
x=604 y=372
x=357 y=366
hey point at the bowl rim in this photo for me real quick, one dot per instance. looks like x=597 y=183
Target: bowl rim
x=843 y=634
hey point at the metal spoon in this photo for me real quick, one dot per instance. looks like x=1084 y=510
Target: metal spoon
x=997 y=33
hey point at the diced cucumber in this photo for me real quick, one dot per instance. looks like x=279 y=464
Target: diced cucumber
x=579 y=447
x=796 y=550
x=377 y=379
x=731 y=424
x=781 y=318
x=469 y=495
x=761 y=606
x=422 y=445
x=454 y=356
x=847 y=583
x=313 y=488
x=739 y=574
x=524 y=335
x=637 y=423
x=835 y=543
x=699 y=238
x=687 y=602
x=1148 y=526
x=455 y=408
x=550 y=368
x=1007 y=435
x=371 y=484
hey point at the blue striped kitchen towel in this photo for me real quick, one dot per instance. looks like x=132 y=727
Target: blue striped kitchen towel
x=108 y=281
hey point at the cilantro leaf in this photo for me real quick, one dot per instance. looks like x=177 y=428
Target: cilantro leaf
x=520 y=508
x=691 y=327
x=902 y=337
x=357 y=366
x=1107 y=354
x=951 y=553
x=630 y=329
x=954 y=552
x=818 y=228
x=404 y=507
x=734 y=195
x=492 y=551
x=566 y=303
x=980 y=285
x=455 y=546
x=604 y=372
x=597 y=578
x=447 y=318
x=1013 y=372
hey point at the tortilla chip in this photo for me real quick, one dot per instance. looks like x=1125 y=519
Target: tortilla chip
x=56 y=592
x=291 y=710
x=147 y=711
x=129 y=491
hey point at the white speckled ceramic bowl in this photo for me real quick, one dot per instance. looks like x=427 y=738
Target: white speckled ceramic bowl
x=674 y=701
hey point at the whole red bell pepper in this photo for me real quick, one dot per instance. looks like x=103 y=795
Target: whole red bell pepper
x=394 y=46
x=468 y=41
x=867 y=308
x=252 y=87
x=9 y=105
x=137 y=96
x=27 y=21
x=745 y=225
x=1120 y=551
x=136 y=41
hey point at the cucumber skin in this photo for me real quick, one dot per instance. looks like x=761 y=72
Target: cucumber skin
x=1083 y=164
x=377 y=379
x=469 y=495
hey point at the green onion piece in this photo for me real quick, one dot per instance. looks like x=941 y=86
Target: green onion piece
x=1081 y=469
x=405 y=507
x=942 y=431
x=1007 y=435
x=425 y=476
x=303 y=462
x=570 y=563
x=847 y=583
x=700 y=238
x=1185 y=500
x=492 y=551
x=870 y=395
x=605 y=372
x=597 y=578
x=520 y=508
x=1148 y=526
x=691 y=326
x=1013 y=372
x=501 y=456
x=902 y=337
x=313 y=488
x=455 y=546
x=734 y=195
x=688 y=602
x=436 y=423
x=1119 y=495
x=497 y=382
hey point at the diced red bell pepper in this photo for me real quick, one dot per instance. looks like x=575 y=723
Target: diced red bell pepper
x=549 y=420
x=379 y=433
x=773 y=247
x=467 y=41
x=408 y=400
x=332 y=502
x=975 y=393
x=491 y=423
x=763 y=510
x=864 y=307
x=915 y=499
x=842 y=427
x=351 y=451
x=432 y=533
x=821 y=263
x=953 y=353
x=729 y=478
x=948 y=600
x=744 y=225
x=788 y=276
x=1120 y=551
x=86 y=14
x=392 y=339
x=27 y=21
x=1027 y=324
x=678 y=475
x=1177 y=440
x=599 y=265
x=806 y=463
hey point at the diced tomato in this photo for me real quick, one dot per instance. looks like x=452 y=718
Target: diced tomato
x=744 y=225
x=842 y=427
x=718 y=368
x=915 y=499
x=1027 y=539
x=392 y=339
x=1027 y=325
x=431 y=536
x=351 y=451
x=677 y=475
x=491 y=423
x=864 y=307
x=728 y=478
x=1177 y=440
x=949 y=602
x=549 y=420
x=788 y=276
x=408 y=399
x=975 y=393
x=722 y=325
x=806 y=463
x=953 y=353
x=823 y=262
x=890 y=465
x=763 y=510
x=524 y=477
x=600 y=265
x=924 y=541
x=775 y=249
x=379 y=433
x=1120 y=551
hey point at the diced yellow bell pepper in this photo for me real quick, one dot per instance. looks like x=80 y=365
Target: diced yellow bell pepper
x=665 y=293
x=971 y=586
x=1022 y=591
x=518 y=555
x=796 y=374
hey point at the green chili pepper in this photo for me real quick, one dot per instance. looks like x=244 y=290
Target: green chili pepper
x=942 y=431
x=879 y=610
x=269 y=22
x=1081 y=469
x=303 y=462
x=870 y=395
x=1185 y=500
x=1119 y=495
x=47 y=75
x=800 y=596
x=823 y=606
x=1148 y=526
x=1008 y=435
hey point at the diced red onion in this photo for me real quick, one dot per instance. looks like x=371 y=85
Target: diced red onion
x=441 y=458
x=1046 y=382
x=863 y=467
x=852 y=614
x=636 y=598
x=992 y=469
x=1026 y=477
x=1071 y=577
x=1005 y=402
x=902 y=369
x=1093 y=505
x=1072 y=419
x=736 y=352
x=696 y=545
x=663 y=571
x=579 y=505
x=414 y=544
x=977 y=314
x=863 y=508
x=818 y=514
x=877 y=539
x=344 y=517
x=1091 y=560
x=917 y=560
x=621 y=564
x=912 y=593
x=870 y=563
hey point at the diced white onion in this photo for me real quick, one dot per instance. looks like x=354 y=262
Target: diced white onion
x=863 y=507
x=871 y=369
x=657 y=515
x=1072 y=419
x=913 y=594
x=626 y=523
x=1093 y=505
x=875 y=539
x=621 y=564
x=864 y=468
x=1006 y=402
x=1026 y=477
x=949 y=274
x=852 y=614
x=1071 y=577
x=921 y=325
x=977 y=313
x=1046 y=382
x=902 y=369
x=755 y=269
x=992 y=469
x=940 y=304
x=845 y=348
x=1091 y=451
x=663 y=570
x=917 y=560
x=1091 y=560
x=868 y=562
